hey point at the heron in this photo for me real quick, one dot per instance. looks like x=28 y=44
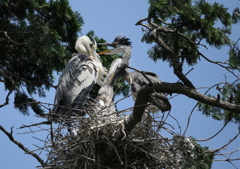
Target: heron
x=137 y=80
x=102 y=108
x=77 y=79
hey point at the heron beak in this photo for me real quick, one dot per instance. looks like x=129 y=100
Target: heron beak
x=107 y=44
x=106 y=51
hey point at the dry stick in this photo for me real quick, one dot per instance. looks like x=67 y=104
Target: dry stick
x=150 y=82
x=232 y=164
x=38 y=102
x=193 y=44
x=20 y=145
x=6 y=100
x=195 y=107
x=26 y=81
x=227 y=143
x=155 y=32
x=16 y=43
x=214 y=134
x=217 y=64
x=228 y=159
x=51 y=130
x=36 y=124
x=177 y=123
x=229 y=152
x=187 y=73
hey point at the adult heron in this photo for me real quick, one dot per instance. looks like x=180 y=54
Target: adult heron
x=80 y=74
x=137 y=80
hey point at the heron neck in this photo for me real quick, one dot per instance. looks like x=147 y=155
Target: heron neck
x=126 y=75
x=127 y=54
x=102 y=71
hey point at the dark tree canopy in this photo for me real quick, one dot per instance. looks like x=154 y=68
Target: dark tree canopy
x=179 y=28
x=36 y=38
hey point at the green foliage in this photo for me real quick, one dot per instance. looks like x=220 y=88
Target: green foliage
x=234 y=57
x=36 y=37
x=193 y=155
x=185 y=25
x=229 y=93
x=208 y=110
x=191 y=22
x=22 y=102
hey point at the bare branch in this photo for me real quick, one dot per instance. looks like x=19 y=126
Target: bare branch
x=6 y=100
x=229 y=152
x=192 y=93
x=36 y=124
x=195 y=107
x=140 y=21
x=19 y=78
x=215 y=134
x=227 y=159
x=227 y=143
x=20 y=145
x=155 y=29
x=16 y=43
x=218 y=63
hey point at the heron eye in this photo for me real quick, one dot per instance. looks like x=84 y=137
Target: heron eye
x=115 y=44
x=91 y=45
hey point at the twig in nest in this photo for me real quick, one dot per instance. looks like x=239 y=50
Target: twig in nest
x=123 y=132
x=36 y=124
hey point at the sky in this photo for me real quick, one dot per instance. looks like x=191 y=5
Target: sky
x=109 y=19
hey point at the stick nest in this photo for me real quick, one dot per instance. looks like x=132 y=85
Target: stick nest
x=88 y=144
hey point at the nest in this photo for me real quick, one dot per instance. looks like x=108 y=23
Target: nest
x=88 y=144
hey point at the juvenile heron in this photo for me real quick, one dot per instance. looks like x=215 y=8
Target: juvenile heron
x=136 y=79
x=102 y=108
x=80 y=74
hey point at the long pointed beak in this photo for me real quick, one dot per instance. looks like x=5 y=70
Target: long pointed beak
x=107 y=44
x=106 y=51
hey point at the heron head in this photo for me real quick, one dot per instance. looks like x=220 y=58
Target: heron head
x=121 y=44
x=86 y=45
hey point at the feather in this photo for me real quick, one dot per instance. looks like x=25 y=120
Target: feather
x=79 y=74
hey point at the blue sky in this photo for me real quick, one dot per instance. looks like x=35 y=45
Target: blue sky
x=108 y=19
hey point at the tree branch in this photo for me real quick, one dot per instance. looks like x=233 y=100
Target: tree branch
x=16 y=43
x=155 y=33
x=36 y=124
x=227 y=143
x=6 y=100
x=192 y=93
x=214 y=134
x=9 y=77
x=20 y=145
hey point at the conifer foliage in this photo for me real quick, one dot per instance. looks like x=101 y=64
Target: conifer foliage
x=36 y=37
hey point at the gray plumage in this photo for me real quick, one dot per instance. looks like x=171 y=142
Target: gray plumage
x=80 y=74
x=136 y=79
x=102 y=108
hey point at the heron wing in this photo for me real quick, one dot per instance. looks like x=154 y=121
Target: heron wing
x=80 y=73
x=138 y=78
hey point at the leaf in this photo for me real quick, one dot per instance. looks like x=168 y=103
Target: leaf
x=45 y=29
